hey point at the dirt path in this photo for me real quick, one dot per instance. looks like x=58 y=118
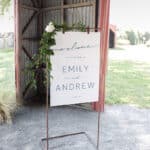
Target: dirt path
x=122 y=128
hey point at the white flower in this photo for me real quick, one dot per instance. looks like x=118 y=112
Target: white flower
x=50 y=27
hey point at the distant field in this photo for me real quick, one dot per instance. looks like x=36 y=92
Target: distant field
x=7 y=75
x=127 y=82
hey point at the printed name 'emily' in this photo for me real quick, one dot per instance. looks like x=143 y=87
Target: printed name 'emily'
x=74 y=68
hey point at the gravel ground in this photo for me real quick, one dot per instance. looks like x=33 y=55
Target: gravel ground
x=122 y=127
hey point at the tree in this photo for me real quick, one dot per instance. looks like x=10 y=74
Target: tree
x=140 y=37
x=4 y=5
x=132 y=37
x=146 y=36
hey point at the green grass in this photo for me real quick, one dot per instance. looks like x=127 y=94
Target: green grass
x=7 y=75
x=128 y=83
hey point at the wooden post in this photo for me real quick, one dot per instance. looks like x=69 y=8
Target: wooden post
x=18 y=50
x=104 y=8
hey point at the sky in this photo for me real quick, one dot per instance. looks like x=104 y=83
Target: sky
x=123 y=13
x=130 y=13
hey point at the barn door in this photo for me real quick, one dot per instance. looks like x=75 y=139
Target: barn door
x=27 y=16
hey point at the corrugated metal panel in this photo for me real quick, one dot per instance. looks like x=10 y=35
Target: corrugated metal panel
x=54 y=16
x=86 y=14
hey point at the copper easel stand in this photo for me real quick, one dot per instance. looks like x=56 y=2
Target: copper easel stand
x=71 y=134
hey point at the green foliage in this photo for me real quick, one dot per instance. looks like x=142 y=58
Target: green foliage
x=146 y=36
x=41 y=60
x=4 y=5
x=132 y=37
x=64 y=27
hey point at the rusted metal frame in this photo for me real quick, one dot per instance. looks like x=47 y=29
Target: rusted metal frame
x=29 y=21
x=77 y=5
x=30 y=7
x=17 y=4
x=27 y=53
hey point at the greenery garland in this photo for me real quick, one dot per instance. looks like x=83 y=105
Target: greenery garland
x=41 y=60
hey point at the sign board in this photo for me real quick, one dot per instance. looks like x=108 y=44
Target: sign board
x=75 y=68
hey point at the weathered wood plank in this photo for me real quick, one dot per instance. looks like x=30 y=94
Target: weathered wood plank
x=29 y=21
x=27 y=53
x=30 y=7
x=77 y=5
x=31 y=38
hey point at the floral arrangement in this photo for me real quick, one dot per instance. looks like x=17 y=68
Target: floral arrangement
x=41 y=60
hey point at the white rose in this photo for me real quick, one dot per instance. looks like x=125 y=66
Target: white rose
x=50 y=27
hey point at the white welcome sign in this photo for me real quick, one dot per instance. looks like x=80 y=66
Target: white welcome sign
x=75 y=68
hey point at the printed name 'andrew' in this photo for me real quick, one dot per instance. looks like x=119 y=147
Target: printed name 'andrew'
x=74 y=86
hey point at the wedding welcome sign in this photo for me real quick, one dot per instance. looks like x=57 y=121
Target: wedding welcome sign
x=75 y=68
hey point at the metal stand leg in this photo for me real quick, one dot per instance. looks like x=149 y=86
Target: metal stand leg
x=47 y=116
x=71 y=134
x=98 y=131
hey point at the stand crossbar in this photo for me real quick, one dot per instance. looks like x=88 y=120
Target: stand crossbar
x=71 y=134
